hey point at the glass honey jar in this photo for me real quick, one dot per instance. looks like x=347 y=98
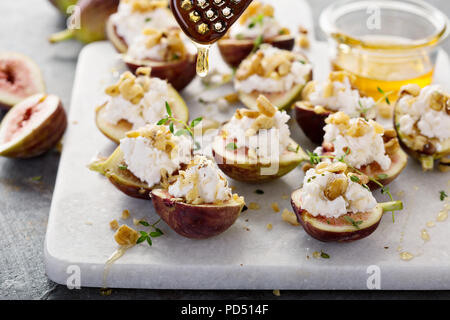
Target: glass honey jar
x=385 y=44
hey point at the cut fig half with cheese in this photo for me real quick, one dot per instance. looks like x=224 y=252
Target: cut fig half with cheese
x=199 y=204
x=274 y=154
x=422 y=122
x=20 y=77
x=279 y=75
x=335 y=205
x=32 y=127
x=346 y=228
x=133 y=90
x=147 y=158
x=321 y=99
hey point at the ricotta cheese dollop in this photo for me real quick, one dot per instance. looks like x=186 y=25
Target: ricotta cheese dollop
x=359 y=140
x=147 y=107
x=201 y=183
x=155 y=150
x=354 y=199
x=243 y=130
x=419 y=115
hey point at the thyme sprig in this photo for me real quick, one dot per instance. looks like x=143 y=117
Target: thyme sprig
x=385 y=96
x=153 y=232
x=315 y=159
x=169 y=119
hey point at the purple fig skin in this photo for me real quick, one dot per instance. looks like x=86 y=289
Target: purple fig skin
x=41 y=140
x=326 y=235
x=311 y=122
x=131 y=191
x=234 y=51
x=195 y=222
x=179 y=73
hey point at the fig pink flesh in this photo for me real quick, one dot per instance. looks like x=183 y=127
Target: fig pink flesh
x=14 y=78
x=22 y=120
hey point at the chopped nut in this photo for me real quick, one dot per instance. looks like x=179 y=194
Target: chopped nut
x=336 y=188
x=126 y=236
x=337 y=167
x=290 y=217
x=114 y=225
x=263 y=122
x=309 y=88
x=328 y=90
x=125 y=214
x=252 y=114
x=276 y=293
x=411 y=89
x=340 y=76
x=437 y=101
x=143 y=71
x=253 y=206
x=390 y=134
x=420 y=142
x=269 y=226
x=379 y=129
x=136 y=221
x=265 y=106
x=391 y=146
x=113 y=90
x=338 y=118
x=303 y=42
x=385 y=110
x=275 y=207
x=359 y=128
x=307 y=166
x=319 y=109
x=362 y=179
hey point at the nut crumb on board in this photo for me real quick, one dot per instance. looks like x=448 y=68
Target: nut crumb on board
x=276 y=293
x=290 y=217
x=275 y=206
x=114 y=225
x=269 y=226
x=254 y=206
x=125 y=214
x=126 y=236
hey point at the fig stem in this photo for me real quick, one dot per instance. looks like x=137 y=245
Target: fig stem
x=391 y=206
x=427 y=163
x=62 y=36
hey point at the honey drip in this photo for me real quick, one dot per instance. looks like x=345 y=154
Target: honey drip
x=203 y=60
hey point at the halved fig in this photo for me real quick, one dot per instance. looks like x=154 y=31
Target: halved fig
x=20 y=77
x=178 y=73
x=282 y=100
x=234 y=51
x=239 y=167
x=311 y=120
x=116 y=132
x=195 y=221
x=115 y=169
x=428 y=154
x=32 y=127
x=340 y=229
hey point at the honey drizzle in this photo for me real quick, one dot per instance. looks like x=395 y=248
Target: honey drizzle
x=203 y=60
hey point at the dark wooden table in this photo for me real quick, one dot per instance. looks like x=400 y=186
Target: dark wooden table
x=25 y=203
